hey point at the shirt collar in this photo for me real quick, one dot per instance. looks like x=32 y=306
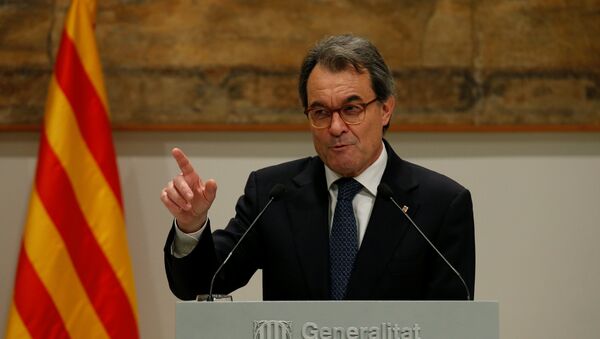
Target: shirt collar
x=369 y=178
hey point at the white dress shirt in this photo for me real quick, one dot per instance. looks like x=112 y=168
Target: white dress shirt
x=363 y=202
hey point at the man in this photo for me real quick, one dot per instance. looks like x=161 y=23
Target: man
x=326 y=238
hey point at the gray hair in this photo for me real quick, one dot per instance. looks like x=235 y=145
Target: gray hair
x=337 y=53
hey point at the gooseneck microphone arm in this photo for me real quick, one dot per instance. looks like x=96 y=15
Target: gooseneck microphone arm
x=386 y=192
x=275 y=193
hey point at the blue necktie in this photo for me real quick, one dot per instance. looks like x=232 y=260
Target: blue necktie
x=343 y=240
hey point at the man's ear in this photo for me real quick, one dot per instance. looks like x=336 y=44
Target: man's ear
x=387 y=108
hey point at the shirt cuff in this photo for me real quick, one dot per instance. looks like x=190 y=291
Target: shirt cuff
x=184 y=243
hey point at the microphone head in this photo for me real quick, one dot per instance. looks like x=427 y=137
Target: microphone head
x=277 y=191
x=384 y=191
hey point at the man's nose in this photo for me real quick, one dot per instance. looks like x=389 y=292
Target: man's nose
x=337 y=124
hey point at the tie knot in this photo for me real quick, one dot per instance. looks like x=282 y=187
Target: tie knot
x=347 y=188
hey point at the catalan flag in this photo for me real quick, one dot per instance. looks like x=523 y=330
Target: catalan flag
x=74 y=276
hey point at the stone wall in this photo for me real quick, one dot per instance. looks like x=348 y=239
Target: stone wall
x=459 y=64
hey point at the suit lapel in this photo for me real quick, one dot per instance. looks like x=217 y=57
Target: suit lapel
x=308 y=209
x=387 y=226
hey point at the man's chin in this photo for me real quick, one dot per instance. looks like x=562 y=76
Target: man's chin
x=344 y=169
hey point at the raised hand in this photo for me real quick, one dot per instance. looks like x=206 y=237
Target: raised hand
x=187 y=197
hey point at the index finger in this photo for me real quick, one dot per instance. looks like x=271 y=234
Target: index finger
x=182 y=161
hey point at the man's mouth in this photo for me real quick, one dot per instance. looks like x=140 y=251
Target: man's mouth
x=340 y=146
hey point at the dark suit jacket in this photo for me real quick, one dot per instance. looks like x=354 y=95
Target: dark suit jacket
x=290 y=241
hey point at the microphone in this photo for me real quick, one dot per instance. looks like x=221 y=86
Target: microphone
x=275 y=193
x=386 y=192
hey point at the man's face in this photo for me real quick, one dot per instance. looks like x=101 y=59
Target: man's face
x=347 y=149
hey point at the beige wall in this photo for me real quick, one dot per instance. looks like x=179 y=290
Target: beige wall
x=536 y=208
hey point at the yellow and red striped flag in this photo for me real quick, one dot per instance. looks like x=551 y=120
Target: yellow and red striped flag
x=74 y=276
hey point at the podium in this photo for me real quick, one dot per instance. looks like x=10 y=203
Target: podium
x=337 y=320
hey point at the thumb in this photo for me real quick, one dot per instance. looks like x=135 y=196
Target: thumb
x=210 y=190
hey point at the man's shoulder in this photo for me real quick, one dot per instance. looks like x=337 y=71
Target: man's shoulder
x=286 y=171
x=410 y=175
x=431 y=179
x=296 y=165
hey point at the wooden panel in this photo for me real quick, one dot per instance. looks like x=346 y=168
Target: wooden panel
x=460 y=65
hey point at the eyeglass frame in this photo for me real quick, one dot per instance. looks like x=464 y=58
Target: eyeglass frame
x=364 y=106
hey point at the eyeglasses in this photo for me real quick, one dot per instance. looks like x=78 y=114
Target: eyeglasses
x=351 y=113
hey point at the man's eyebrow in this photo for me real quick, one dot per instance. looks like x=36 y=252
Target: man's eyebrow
x=317 y=104
x=351 y=98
